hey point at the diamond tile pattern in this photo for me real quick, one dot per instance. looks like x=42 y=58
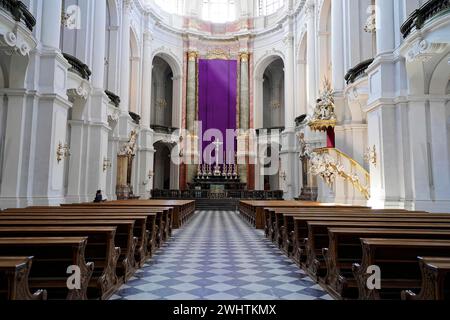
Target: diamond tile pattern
x=218 y=256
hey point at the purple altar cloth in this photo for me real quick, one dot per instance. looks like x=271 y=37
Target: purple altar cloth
x=217 y=102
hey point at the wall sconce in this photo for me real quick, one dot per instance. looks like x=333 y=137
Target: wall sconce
x=283 y=175
x=62 y=152
x=106 y=164
x=151 y=174
x=371 y=156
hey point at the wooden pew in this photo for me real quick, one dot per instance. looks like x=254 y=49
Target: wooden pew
x=278 y=231
x=139 y=230
x=163 y=220
x=274 y=216
x=253 y=211
x=301 y=228
x=163 y=216
x=14 y=272
x=182 y=209
x=126 y=265
x=344 y=249
x=153 y=237
x=397 y=259
x=318 y=235
x=100 y=250
x=435 y=280
x=52 y=257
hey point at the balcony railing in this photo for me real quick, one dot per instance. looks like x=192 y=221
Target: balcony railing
x=19 y=12
x=136 y=118
x=419 y=17
x=358 y=72
x=78 y=67
x=115 y=99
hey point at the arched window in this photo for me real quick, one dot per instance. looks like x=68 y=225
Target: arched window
x=267 y=7
x=171 y=6
x=219 y=11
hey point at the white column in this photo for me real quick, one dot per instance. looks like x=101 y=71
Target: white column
x=289 y=110
x=125 y=57
x=98 y=61
x=311 y=56
x=385 y=26
x=147 y=80
x=337 y=45
x=51 y=23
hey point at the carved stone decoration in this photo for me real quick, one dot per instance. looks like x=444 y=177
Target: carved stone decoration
x=129 y=148
x=324 y=115
x=424 y=50
x=218 y=53
x=371 y=24
x=113 y=114
x=10 y=39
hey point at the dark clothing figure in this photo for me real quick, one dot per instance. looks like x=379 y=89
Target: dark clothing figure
x=98 y=197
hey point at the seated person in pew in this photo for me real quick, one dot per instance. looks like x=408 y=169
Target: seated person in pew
x=99 y=197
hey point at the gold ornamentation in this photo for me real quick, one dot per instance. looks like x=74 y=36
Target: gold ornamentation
x=161 y=103
x=217 y=54
x=324 y=116
x=244 y=56
x=62 y=152
x=275 y=105
x=329 y=167
x=192 y=55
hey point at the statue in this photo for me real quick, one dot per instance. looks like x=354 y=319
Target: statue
x=129 y=148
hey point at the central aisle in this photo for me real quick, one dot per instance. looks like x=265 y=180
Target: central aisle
x=218 y=256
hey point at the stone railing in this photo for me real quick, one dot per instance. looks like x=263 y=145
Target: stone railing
x=419 y=17
x=225 y=194
x=78 y=67
x=358 y=71
x=115 y=99
x=19 y=12
x=330 y=163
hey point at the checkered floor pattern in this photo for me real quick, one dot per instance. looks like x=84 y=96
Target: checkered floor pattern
x=218 y=256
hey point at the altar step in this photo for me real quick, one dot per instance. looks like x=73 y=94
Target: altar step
x=216 y=204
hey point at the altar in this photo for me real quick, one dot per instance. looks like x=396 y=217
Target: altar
x=221 y=179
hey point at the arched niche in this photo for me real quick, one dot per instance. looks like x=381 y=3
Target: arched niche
x=111 y=80
x=301 y=105
x=175 y=83
x=260 y=69
x=273 y=95
x=162 y=93
x=324 y=40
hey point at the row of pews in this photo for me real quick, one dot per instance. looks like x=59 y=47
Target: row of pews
x=106 y=243
x=338 y=246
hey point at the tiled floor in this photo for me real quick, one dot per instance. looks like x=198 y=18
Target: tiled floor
x=218 y=256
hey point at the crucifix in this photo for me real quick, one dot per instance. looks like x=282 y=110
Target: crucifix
x=217 y=143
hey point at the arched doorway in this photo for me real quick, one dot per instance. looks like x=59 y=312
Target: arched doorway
x=163 y=166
